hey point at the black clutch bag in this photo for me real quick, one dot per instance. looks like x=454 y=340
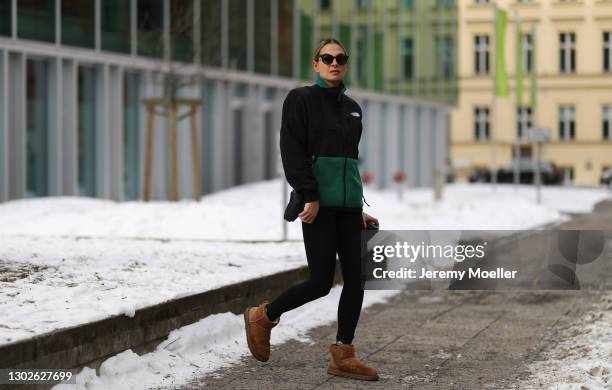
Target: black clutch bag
x=295 y=206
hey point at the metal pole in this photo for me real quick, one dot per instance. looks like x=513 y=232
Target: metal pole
x=538 y=179
x=517 y=148
x=285 y=188
x=534 y=75
x=494 y=100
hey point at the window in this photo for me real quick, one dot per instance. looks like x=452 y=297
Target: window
x=36 y=20
x=86 y=133
x=481 y=1
x=445 y=3
x=481 y=123
x=444 y=56
x=150 y=28
x=408 y=58
x=364 y=4
x=237 y=32
x=5 y=17
x=481 y=54
x=527 y=53
x=181 y=30
x=325 y=4
x=567 y=123
x=263 y=26
x=211 y=33
x=523 y=121
x=37 y=119
x=407 y=4
x=131 y=151
x=607 y=51
x=115 y=18
x=361 y=59
x=78 y=23
x=606 y=120
x=567 y=52
x=238 y=133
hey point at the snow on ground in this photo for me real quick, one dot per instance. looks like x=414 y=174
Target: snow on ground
x=79 y=281
x=67 y=261
x=254 y=212
x=581 y=358
x=214 y=342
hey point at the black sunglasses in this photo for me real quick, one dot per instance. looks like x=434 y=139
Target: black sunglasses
x=327 y=59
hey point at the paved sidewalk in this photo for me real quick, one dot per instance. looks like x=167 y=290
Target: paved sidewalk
x=456 y=340
x=460 y=339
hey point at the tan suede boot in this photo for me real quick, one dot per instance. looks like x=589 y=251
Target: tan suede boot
x=345 y=363
x=258 y=328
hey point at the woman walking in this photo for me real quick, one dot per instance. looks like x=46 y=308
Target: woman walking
x=319 y=138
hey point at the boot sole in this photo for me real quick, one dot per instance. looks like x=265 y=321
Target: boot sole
x=247 y=328
x=338 y=372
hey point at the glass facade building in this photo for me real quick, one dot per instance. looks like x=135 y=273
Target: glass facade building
x=74 y=75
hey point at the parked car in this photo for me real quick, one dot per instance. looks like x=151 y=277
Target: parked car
x=550 y=174
x=480 y=175
x=606 y=177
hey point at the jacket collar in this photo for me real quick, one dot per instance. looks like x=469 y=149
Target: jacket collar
x=337 y=91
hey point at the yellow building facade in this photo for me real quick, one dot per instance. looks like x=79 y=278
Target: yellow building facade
x=573 y=64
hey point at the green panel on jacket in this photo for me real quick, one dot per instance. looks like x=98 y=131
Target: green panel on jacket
x=338 y=181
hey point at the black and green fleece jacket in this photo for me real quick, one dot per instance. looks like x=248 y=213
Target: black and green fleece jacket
x=319 y=138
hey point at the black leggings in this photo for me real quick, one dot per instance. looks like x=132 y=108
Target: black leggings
x=332 y=231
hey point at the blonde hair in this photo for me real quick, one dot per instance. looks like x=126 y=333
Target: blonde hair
x=325 y=42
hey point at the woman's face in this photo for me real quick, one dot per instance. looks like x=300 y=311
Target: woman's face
x=332 y=72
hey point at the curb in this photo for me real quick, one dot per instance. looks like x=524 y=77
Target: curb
x=91 y=343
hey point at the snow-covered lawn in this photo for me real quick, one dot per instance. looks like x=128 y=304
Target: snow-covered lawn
x=67 y=261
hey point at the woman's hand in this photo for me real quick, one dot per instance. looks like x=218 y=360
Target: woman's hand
x=310 y=211
x=367 y=217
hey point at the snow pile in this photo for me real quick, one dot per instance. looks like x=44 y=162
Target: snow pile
x=582 y=356
x=212 y=343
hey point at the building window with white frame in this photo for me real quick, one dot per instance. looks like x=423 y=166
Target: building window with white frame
x=527 y=53
x=567 y=123
x=406 y=4
x=607 y=51
x=444 y=47
x=567 y=52
x=481 y=1
x=407 y=55
x=606 y=120
x=481 y=123
x=523 y=121
x=481 y=54
x=364 y=4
